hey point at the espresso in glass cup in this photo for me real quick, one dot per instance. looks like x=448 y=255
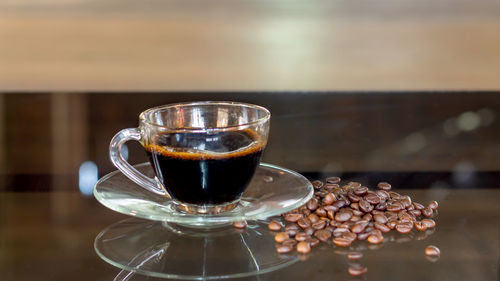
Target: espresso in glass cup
x=204 y=154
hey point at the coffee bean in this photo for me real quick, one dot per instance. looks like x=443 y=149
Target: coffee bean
x=381 y=207
x=384 y=186
x=329 y=199
x=394 y=195
x=342 y=242
x=415 y=212
x=304 y=223
x=365 y=206
x=293 y=217
x=313 y=218
x=321 y=212
x=329 y=228
x=383 y=195
x=367 y=217
x=358 y=212
x=274 y=226
x=420 y=226
x=339 y=231
x=433 y=205
x=353 y=197
x=375 y=231
x=323 y=235
x=303 y=247
x=331 y=208
x=406 y=201
x=432 y=251
x=302 y=236
x=382 y=227
x=292 y=226
x=284 y=248
x=331 y=186
x=405 y=217
x=359 y=227
x=357 y=270
x=343 y=216
x=280 y=237
x=355 y=218
x=361 y=190
x=349 y=235
x=289 y=241
x=372 y=198
x=430 y=223
x=392 y=224
x=309 y=231
x=354 y=206
x=317 y=184
x=319 y=224
x=380 y=218
x=340 y=203
x=427 y=212
x=354 y=255
x=418 y=206
x=395 y=207
x=312 y=204
x=404 y=227
x=240 y=224
x=313 y=242
x=333 y=180
x=363 y=235
x=375 y=239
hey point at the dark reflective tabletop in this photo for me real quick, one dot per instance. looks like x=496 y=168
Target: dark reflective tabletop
x=430 y=145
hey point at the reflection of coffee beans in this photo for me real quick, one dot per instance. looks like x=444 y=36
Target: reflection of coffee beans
x=203 y=168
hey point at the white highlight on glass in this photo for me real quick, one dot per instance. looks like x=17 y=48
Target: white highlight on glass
x=124 y=151
x=87 y=177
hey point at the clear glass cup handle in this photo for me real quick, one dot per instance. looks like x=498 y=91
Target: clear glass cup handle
x=114 y=154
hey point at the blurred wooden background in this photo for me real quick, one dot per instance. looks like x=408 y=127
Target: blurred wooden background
x=163 y=45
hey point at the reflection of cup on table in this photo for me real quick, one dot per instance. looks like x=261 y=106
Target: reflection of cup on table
x=204 y=154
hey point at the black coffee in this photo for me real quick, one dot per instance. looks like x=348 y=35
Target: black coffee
x=205 y=169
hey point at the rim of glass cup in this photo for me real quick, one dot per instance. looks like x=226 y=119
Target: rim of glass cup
x=146 y=113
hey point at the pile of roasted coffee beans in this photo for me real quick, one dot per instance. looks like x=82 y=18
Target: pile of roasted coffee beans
x=346 y=213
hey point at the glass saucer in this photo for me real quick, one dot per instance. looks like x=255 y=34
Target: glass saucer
x=272 y=191
x=167 y=250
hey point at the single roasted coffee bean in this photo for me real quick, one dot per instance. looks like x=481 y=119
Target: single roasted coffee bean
x=304 y=223
x=427 y=212
x=331 y=186
x=309 y=231
x=353 y=197
x=240 y=224
x=355 y=218
x=293 y=217
x=380 y=218
x=383 y=195
x=339 y=231
x=394 y=195
x=365 y=206
x=349 y=235
x=340 y=203
x=321 y=212
x=433 y=205
x=361 y=190
x=432 y=251
x=406 y=201
x=430 y=223
x=302 y=236
x=313 y=242
x=404 y=227
x=357 y=270
x=382 y=227
x=289 y=241
x=329 y=228
x=280 y=237
x=317 y=184
x=359 y=226
x=375 y=239
x=284 y=248
x=331 y=208
x=312 y=204
x=329 y=199
x=381 y=206
x=405 y=217
x=342 y=242
x=323 y=235
x=418 y=206
x=354 y=256
x=394 y=207
x=274 y=226
x=363 y=235
x=319 y=224
x=355 y=206
x=333 y=180
x=372 y=198
x=384 y=186
x=343 y=216
x=420 y=226
x=313 y=218
x=415 y=212
x=367 y=217
x=303 y=247
x=392 y=224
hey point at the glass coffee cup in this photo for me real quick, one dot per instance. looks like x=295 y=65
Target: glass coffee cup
x=204 y=154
